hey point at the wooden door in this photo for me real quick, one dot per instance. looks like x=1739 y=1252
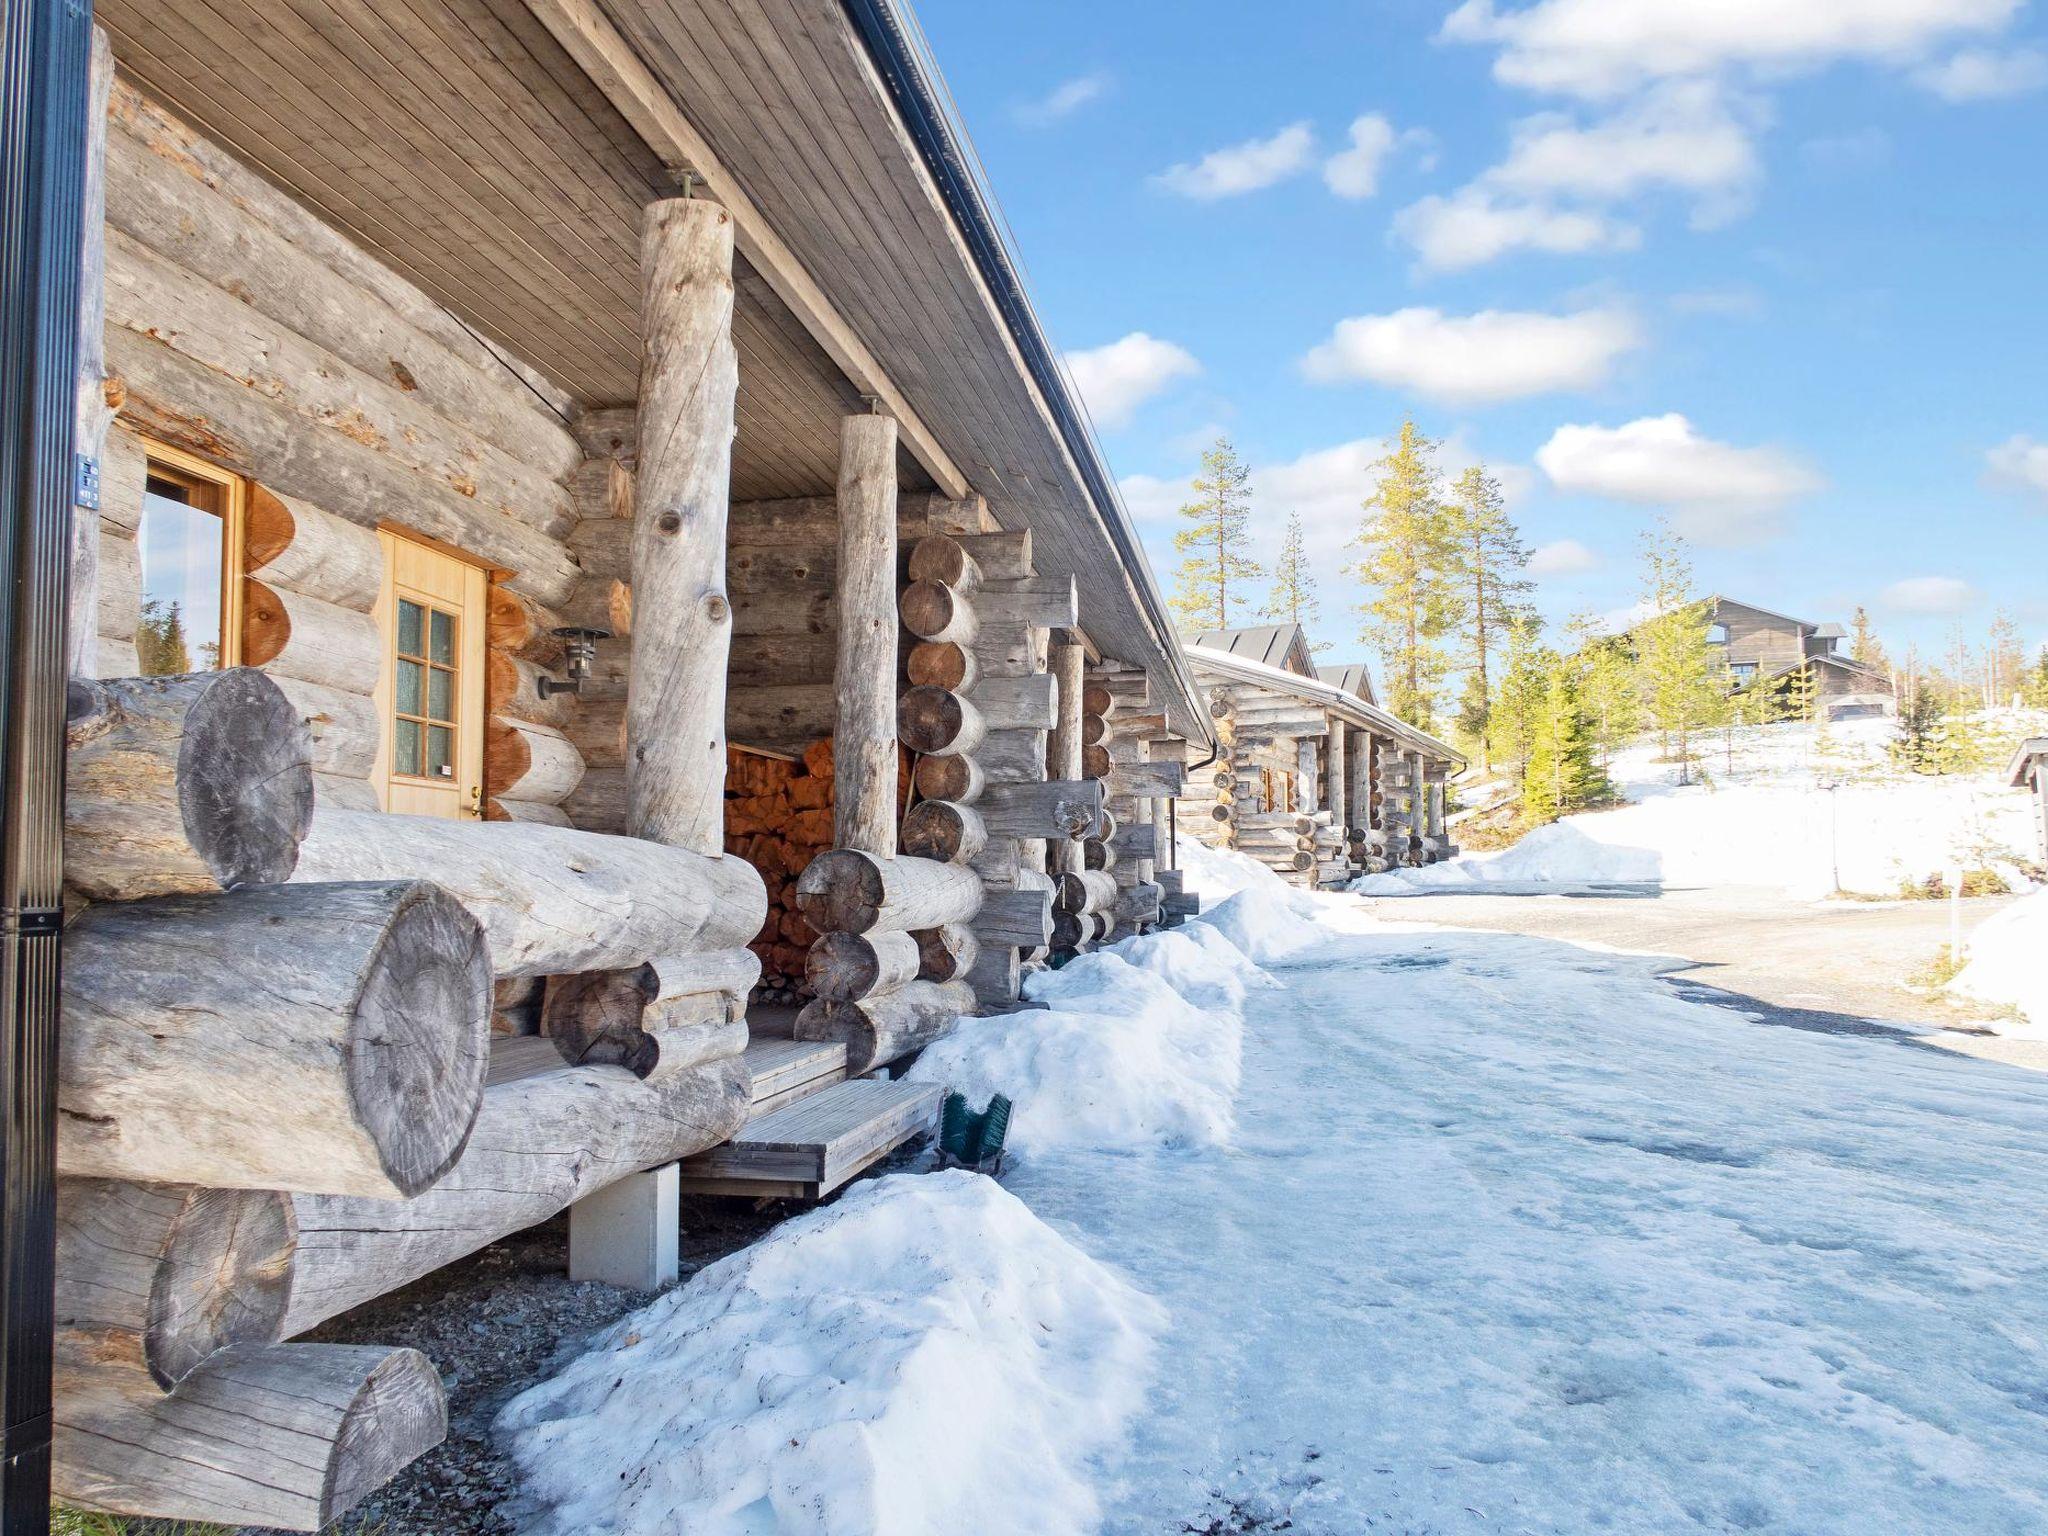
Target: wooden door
x=430 y=689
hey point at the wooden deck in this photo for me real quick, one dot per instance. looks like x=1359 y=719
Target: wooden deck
x=807 y=1149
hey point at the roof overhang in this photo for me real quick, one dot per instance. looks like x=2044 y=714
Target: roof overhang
x=1321 y=695
x=2032 y=751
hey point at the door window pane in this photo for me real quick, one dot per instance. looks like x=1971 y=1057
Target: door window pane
x=408 y=687
x=411 y=618
x=443 y=651
x=440 y=695
x=405 y=748
x=440 y=752
x=182 y=541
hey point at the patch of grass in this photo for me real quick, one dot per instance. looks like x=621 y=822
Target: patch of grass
x=1946 y=965
x=1976 y=882
x=65 y=1521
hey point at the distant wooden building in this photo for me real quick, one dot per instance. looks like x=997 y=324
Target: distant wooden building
x=598 y=619
x=1312 y=778
x=2029 y=770
x=1759 y=645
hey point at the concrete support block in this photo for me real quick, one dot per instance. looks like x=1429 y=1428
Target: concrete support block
x=628 y=1233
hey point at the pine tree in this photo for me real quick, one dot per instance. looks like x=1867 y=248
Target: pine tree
x=1564 y=774
x=1492 y=559
x=1801 y=693
x=1679 y=672
x=1607 y=684
x=1292 y=599
x=1917 y=742
x=160 y=640
x=2005 y=659
x=1518 y=697
x=1408 y=558
x=1864 y=646
x=1214 y=569
x=2034 y=688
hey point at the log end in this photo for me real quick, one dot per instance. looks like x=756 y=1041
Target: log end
x=397 y=1415
x=225 y=1279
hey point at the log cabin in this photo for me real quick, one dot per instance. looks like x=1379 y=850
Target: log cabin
x=1758 y=646
x=597 y=628
x=2028 y=770
x=1311 y=777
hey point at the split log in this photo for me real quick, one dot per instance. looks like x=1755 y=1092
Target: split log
x=945 y=831
x=288 y=1436
x=882 y=1029
x=652 y=1019
x=527 y=761
x=551 y=899
x=1085 y=890
x=541 y=1144
x=181 y=784
x=1059 y=808
x=864 y=675
x=304 y=637
x=333 y=1038
x=943 y=559
x=847 y=891
x=689 y=376
x=1020 y=917
x=139 y=1266
x=942 y=664
x=949 y=777
x=845 y=967
x=946 y=953
x=299 y=548
x=934 y=721
x=933 y=611
x=1045 y=602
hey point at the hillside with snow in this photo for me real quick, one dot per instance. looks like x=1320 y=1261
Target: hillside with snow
x=1805 y=808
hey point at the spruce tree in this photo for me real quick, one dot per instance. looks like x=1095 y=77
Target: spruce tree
x=160 y=645
x=1864 y=646
x=1408 y=559
x=2005 y=659
x=1564 y=775
x=1518 y=697
x=1680 y=674
x=1607 y=684
x=1210 y=586
x=1292 y=599
x=1492 y=559
x=2034 y=689
x=1918 y=740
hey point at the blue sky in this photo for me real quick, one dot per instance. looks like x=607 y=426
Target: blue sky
x=1775 y=268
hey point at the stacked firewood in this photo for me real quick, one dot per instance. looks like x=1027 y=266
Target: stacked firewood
x=778 y=817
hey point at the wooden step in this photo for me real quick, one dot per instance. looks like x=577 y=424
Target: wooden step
x=807 y=1149
x=786 y=1070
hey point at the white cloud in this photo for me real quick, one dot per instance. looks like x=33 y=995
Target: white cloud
x=1606 y=47
x=1718 y=494
x=1064 y=100
x=1475 y=359
x=1684 y=136
x=1355 y=172
x=1116 y=379
x=1729 y=303
x=1473 y=226
x=1983 y=74
x=1240 y=168
x=1562 y=557
x=2021 y=463
x=1931 y=595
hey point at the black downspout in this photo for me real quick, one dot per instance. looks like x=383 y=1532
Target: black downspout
x=44 y=82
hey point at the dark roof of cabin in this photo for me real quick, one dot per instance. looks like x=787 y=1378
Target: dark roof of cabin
x=1271 y=645
x=1353 y=677
x=1830 y=632
x=1805 y=625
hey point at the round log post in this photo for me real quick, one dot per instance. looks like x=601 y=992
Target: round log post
x=1063 y=745
x=864 y=675
x=682 y=630
x=845 y=967
x=328 y=1038
x=1337 y=767
x=847 y=891
x=183 y=784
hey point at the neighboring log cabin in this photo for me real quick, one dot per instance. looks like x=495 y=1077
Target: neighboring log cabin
x=1779 y=651
x=598 y=622
x=1311 y=777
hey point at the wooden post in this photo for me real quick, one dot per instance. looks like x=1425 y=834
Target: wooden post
x=97 y=394
x=1335 y=762
x=1063 y=746
x=864 y=677
x=682 y=631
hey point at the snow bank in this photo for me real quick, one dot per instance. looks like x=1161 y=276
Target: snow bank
x=1215 y=873
x=1271 y=926
x=925 y=1355
x=2008 y=964
x=1766 y=818
x=1138 y=1045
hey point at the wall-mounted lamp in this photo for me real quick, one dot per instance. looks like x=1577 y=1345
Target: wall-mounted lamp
x=581 y=644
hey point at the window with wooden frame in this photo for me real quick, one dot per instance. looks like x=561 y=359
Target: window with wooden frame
x=430 y=691
x=189 y=540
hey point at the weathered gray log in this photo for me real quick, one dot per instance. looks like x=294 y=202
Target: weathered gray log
x=541 y=1144
x=864 y=677
x=1146 y=781
x=934 y=611
x=845 y=967
x=551 y=899
x=527 y=761
x=942 y=664
x=949 y=776
x=1097 y=853
x=944 y=830
x=1001 y=556
x=645 y=1018
x=140 y=1266
x=946 y=953
x=1046 y=602
x=763 y=661
x=935 y=721
x=285 y=1436
x=1059 y=808
x=1137 y=905
x=942 y=558
x=994 y=977
x=1085 y=890
x=689 y=375
x=847 y=891
x=782 y=717
x=1013 y=757
x=309 y=1037
x=295 y=547
x=343 y=726
x=94 y=394
x=1141 y=840
x=179 y=784
x=1018 y=703
x=1020 y=916
x=1011 y=650
x=882 y=1029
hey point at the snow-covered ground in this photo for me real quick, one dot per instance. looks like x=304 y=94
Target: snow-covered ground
x=1766 y=817
x=2008 y=966
x=1376 y=1228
